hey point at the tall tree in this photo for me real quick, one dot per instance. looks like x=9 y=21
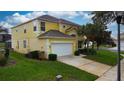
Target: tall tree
x=94 y=32
x=106 y=17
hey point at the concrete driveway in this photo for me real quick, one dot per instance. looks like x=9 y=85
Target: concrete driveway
x=84 y=64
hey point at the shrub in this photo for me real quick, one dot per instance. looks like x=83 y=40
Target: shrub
x=6 y=53
x=27 y=55
x=87 y=51
x=3 y=60
x=92 y=52
x=33 y=54
x=113 y=45
x=52 y=57
x=36 y=55
x=42 y=55
x=76 y=53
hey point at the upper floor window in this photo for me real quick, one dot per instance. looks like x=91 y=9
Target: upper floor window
x=73 y=35
x=18 y=44
x=42 y=26
x=24 y=43
x=24 y=30
x=63 y=26
x=35 y=28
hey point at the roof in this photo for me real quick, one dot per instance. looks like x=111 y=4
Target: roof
x=51 y=19
x=54 y=34
x=122 y=36
x=57 y=20
x=3 y=29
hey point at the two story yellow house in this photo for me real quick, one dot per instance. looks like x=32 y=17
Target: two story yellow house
x=45 y=33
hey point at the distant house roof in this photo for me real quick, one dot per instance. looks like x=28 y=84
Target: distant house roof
x=54 y=34
x=51 y=19
x=3 y=30
x=122 y=36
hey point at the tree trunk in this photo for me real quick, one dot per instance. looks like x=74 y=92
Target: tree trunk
x=93 y=45
x=97 y=46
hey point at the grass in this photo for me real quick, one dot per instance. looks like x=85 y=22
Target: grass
x=34 y=70
x=104 y=56
x=2 y=45
x=122 y=52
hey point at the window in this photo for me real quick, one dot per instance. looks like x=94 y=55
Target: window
x=24 y=30
x=42 y=26
x=18 y=44
x=24 y=43
x=80 y=44
x=63 y=26
x=35 y=28
x=73 y=35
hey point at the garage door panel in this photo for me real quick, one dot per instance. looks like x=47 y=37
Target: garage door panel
x=62 y=49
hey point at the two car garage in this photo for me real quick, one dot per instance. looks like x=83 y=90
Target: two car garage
x=62 y=49
x=58 y=43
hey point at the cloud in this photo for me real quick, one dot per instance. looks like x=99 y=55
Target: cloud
x=18 y=18
x=85 y=15
x=5 y=24
x=34 y=14
x=60 y=14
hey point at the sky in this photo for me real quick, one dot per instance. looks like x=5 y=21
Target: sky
x=9 y=19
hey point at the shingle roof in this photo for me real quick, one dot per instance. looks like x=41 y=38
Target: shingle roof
x=48 y=18
x=57 y=20
x=51 y=19
x=3 y=29
x=54 y=34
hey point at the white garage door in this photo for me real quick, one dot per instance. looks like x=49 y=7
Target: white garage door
x=62 y=49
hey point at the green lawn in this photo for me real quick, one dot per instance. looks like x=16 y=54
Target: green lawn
x=2 y=45
x=104 y=56
x=29 y=69
x=122 y=52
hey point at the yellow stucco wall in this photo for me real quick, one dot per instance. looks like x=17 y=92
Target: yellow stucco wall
x=33 y=43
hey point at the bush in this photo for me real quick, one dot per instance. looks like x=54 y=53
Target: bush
x=28 y=55
x=87 y=51
x=33 y=54
x=92 y=52
x=113 y=45
x=3 y=60
x=76 y=53
x=36 y=55
x=6 y=53
x=52 y=57
x=42 y=55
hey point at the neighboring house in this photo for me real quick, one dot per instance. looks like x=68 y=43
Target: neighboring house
x=122 y=36
x=45 y=33
x=5 y=37
x=122 y=41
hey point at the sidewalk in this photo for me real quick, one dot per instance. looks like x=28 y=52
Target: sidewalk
x=111 y=75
